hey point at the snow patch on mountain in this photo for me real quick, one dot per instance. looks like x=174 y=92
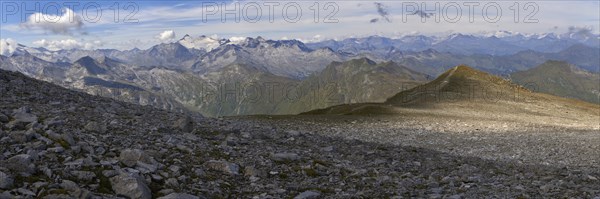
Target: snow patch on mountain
x=201 y=43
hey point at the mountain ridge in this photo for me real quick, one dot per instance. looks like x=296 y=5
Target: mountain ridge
x=509 y=99
x=561 y=79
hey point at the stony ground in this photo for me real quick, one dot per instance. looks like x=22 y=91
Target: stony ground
x=524 y=143
x=56 y=143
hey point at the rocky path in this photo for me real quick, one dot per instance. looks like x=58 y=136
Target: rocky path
x=56 y=143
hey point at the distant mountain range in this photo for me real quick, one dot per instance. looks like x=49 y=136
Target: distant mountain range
x=433 y=62
x=500 y=43
x=242 y=76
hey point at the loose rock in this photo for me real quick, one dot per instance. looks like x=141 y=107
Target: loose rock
x=130 y=185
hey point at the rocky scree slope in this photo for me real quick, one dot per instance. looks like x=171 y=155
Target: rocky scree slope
x=56 y=143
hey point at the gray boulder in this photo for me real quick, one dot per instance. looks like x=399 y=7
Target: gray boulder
x=308 y=195
x=95 y=127
x=179 y=196
x=6 y=181
x=20 y=163
x=184 y=124
x=285 y=157
x=223 y=166
x=130 y=185
x=130 y=157
x=22 y=117
x=3 y=118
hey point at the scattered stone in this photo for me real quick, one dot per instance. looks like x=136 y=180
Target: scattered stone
x=166 y=191
x=251 y=172
x=56 y=149
x=3 y=118
x=110 y=173
x=130 y=185
x=54 y=136
x=129 y=157
x=21 y=137
x=6 y=181
x=172 y=182
x=69 y=185
x=179 y=196
x=308 y=195
x=175 y=169
x=184 y=148
x=22 y=117
x=327 y=149
x=592 y=178
x=146 y=168
x=95 y=127
x=6 y=195
x=68 y=137
x=285 y=157
x=84 y=175
x=25 y=192
x=223 y=166
x=184 y=124
x=20 y=163
x=293 y=133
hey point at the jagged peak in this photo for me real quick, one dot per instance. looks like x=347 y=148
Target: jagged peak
x=464 y=71
x=107 y=60
x=85 y=60
x=363 y=61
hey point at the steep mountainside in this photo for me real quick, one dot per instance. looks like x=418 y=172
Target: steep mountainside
x=34 y=67
x=288 y=58
x=354 y=81
x=460 y=83
x=463 y=92
x=561 y=79
x=237 y=89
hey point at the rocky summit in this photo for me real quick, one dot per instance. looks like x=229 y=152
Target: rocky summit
x=58 y=143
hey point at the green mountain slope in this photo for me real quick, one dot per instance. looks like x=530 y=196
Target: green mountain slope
x=561 y=79
x=463 y=92
x=354 y=81
x=461 y=83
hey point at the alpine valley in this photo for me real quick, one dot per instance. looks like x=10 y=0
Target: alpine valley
x=255 y=76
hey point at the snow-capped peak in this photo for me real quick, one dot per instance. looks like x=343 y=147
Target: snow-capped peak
x=502 y=34
x=200 y=43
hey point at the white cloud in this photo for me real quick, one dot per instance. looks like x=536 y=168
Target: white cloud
x=316 y=38
x=67 y=44
x=57 y=24
x=7 y=46
x=166 y=35
x=353 y=21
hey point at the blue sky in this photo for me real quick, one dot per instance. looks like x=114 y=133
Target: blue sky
x=152 y=22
